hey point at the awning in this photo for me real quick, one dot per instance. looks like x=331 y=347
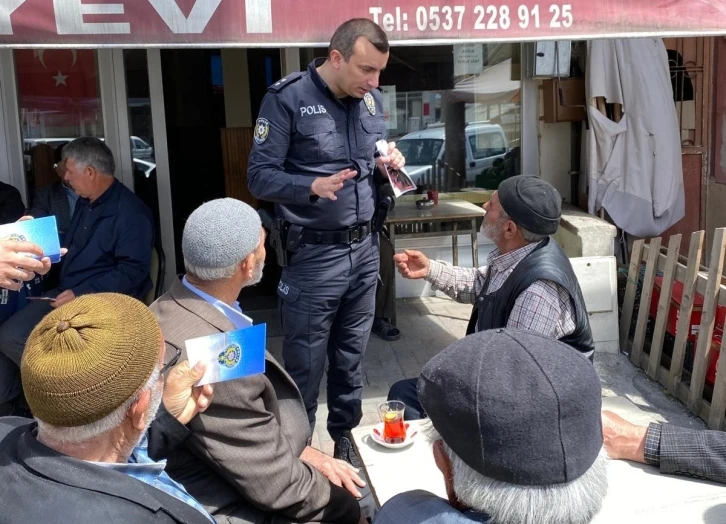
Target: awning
x=217 y=23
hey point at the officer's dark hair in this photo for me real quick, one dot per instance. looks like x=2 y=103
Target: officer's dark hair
x=349 y=32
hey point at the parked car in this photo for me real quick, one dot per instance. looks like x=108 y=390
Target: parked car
x=140 y=150
x=424 y=150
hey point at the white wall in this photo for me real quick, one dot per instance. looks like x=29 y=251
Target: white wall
x=554 y=153
x=554 y=156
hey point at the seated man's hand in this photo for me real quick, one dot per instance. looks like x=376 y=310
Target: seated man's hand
x=181 y=397
x=63 y=298
x=412 y=264
x=621 y=439
x=16 y=266
x=339 y=472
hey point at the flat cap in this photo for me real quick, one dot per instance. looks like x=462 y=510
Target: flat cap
x=515 y=406
x=531 y=203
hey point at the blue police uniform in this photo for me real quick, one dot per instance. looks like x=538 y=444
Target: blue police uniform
x=327 y=291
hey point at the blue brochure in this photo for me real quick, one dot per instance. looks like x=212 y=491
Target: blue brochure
x=230 y=355
x=41 y=231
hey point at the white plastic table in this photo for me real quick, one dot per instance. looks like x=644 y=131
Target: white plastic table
x=637 y=493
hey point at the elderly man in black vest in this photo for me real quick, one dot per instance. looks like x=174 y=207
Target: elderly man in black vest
x=528 y=282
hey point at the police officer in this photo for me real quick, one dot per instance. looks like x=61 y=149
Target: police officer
x=314 y=156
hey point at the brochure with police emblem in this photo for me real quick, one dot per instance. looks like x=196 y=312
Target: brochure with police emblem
x=41 y=231
x=400 y=181
x=230 y=355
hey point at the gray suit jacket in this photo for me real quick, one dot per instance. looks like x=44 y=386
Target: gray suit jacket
x=693 y=453
x=242 y=459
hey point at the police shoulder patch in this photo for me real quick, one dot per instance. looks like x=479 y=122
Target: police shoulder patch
x=370 y=103
x=284 y=82
x=262 y=130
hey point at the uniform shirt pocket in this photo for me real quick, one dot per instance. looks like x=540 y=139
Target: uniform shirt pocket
x=374 y=129
x=320 y=139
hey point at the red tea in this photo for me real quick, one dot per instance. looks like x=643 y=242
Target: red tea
x=394 y=431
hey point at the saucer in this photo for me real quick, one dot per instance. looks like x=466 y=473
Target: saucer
x=377 y=436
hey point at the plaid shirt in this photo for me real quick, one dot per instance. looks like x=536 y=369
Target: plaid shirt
x=544 y=307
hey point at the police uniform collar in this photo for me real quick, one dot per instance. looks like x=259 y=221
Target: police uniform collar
x=313 y=72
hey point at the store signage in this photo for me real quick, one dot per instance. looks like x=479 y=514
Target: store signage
x=214 y=23
x=468 y=59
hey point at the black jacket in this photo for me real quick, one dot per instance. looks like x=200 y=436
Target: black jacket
x=38 y=484
x=11 y=204
x=546 y=262
x=52 y=200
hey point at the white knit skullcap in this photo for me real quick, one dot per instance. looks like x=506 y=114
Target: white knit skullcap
x=220 y=233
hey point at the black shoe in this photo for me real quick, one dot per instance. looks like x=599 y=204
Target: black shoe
x=344 y=450
x=384 y=329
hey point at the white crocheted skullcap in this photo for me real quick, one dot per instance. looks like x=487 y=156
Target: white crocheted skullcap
x=220 y=233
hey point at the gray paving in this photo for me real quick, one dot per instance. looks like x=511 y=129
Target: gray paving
x=430 y=324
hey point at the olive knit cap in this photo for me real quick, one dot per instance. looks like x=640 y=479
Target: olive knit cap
x=88 y=357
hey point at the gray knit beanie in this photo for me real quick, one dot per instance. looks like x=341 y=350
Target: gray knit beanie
x=220 y=233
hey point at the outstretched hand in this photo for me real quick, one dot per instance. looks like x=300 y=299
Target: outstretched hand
x=412 y=264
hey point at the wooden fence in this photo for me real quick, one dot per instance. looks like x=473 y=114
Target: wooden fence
x=688 y=385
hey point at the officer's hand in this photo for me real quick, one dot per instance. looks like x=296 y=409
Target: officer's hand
x=412 y=264
x=326 y=186
x=394 y=158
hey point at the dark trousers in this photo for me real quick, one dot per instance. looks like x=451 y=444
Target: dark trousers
x=406 y=392
x=14 y=334
x=327 y=297
x=385 y=294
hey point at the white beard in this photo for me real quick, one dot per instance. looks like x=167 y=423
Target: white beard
x=258 y=274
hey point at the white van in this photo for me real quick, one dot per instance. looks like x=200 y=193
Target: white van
x=424 y=150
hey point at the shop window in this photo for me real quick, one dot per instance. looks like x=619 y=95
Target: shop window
x=142 y=132
x=686 y=59
x=59 y=100
x=454 y=111
x=486 y=144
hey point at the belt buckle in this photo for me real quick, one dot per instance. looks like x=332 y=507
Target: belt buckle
x=354 y=235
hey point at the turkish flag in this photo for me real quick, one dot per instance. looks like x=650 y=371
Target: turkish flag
x=57 y=79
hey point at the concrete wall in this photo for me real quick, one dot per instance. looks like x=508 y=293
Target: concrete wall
x=583 y=235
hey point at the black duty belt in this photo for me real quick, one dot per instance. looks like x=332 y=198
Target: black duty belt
x=345 y=236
